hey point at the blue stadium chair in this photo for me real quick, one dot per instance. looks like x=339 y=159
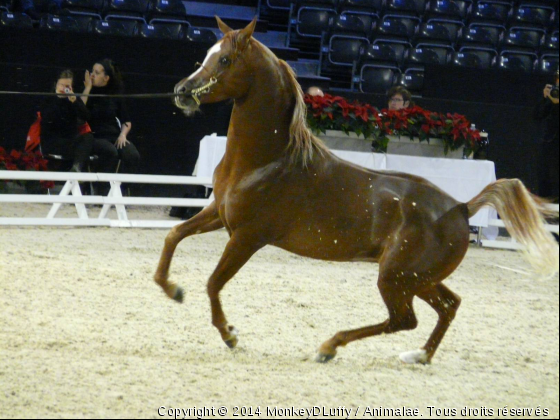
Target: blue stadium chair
x=15 y=20
x=547 y=64
x=329 y=4
x=85 y=21
x=421 y=56
x=200 y=36
x=522 y=38
x=412 y=80
x=398 y=26
x=377 y=78
x=6 y=5
x=515 y=60
x=59 y=23
x=485 y=55
x=491 y=11
x=448 y=9
x=114 y=27
x=415 y=7
x=312 y=22
x=346 y=50
x=468 y=59
x=165 y=30
x=398 y=46
x=125 y=10
x=371 y=6
x=369 y=20
x=550 y=43
x=531 y=15
x=171 y=11
x=384 y=54
x=493 y=32
x=433 y=32
x=453 y=26
x=442 y=51
x=84 y=7
x=278 y=4
x=351 y=25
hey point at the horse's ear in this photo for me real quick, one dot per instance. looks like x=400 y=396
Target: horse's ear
x=223 y=27
x=246 y=34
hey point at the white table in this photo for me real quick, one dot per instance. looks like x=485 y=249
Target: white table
x=462 y=179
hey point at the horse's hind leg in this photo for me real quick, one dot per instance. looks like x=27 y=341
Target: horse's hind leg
x=205 y=221
x=445 y=303
x=401 y=317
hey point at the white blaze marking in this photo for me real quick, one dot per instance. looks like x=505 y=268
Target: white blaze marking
x=214 y=50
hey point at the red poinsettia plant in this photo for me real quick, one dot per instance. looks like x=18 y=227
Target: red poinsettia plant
x=335 y=113
x=23 y=161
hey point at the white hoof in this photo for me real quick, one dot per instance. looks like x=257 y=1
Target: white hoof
x=415 y=356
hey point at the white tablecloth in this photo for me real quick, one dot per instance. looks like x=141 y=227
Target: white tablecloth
x=462 y=179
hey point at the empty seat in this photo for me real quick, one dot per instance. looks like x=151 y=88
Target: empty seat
x=491 y=11
x=167 y=11
x=200 y=35
x=486 y=34
x=515 y=60
x=547 y=64
x=15 y=20
x=454 y=27
x=429 y=32
x=351 y=25
x=412 y=80
x=59 y=23
x=398 y=46
x=442 y=51
x=313 y=22
x=346 y=50
x=518 y=37
x=467 y=59
x=383 y=54
x=421 y=56
x=368 y=20
x=377 y=79
x=85 y=21
x=549 y=43
x=449 y=9
x=125 y=10
x=398 y=26
x=166 y=30
x=407 y=6
x=113 y=27
x=87 y=7
x=532 y=15
x=485 y=55
x=373 y=6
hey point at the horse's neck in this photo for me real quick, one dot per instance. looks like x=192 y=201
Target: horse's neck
x=259 y=130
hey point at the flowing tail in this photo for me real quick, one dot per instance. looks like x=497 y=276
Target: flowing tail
x=524 y=215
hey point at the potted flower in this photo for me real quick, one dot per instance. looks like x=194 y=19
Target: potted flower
x=23 y=161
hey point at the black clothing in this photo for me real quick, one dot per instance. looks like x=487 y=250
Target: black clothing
x=548 y=159
x=60 y=120
x=104 y=113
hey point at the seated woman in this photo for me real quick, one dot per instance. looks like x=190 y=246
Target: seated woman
x=399 y=98
x=63 y=119
x=109 y=119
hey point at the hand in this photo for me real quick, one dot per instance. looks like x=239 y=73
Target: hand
x=88 y=80
x=546 y=91
x=70 y=98
x=121 y=142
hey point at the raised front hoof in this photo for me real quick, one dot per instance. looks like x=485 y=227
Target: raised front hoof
x=233 y=338
x=415 y=357
x=179 y=295
x=324 y=357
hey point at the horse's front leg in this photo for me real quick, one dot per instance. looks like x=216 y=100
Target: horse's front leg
x=207 y=220
x=238 y=251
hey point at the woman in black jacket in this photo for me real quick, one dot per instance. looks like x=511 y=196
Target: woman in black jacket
x=109 y=119
x=63 y=119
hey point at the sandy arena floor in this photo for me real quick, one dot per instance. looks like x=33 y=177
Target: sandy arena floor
x=85 y=332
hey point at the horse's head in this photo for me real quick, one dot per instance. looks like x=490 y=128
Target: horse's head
x=222 y=75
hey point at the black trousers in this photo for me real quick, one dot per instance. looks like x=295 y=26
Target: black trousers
x=78 y=149
x=109 y=156
x=548 y=170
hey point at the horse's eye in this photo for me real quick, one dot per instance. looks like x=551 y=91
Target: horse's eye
x=224 y=61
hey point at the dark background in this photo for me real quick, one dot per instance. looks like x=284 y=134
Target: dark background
x=499 y=102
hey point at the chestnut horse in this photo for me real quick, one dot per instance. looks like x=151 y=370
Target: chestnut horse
x=279 y=185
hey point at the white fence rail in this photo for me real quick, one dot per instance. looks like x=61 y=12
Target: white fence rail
x=71 y=194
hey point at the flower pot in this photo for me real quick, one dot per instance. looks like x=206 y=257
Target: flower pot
x=435 y=148
x=339 y=140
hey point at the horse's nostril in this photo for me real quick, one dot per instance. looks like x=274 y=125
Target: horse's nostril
x=182 y=89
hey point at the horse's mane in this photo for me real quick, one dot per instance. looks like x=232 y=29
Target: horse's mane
x=303 y=144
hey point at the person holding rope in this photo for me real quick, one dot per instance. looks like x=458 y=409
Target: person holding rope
x=64 y=130
x=109 y=119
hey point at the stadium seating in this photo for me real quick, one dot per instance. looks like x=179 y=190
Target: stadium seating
x=515 y=60
x=449 y=9
x=412 y=80
x=312 y=22
x=383 y=54
x=522 y=38
x=491 y=11
x=172 y=11
x=346 y=50
x=415 y=7
x=467 y=59
x=433 y=32
x=485 y=55
x=550 y=43
x=59 y=23
x=378 y=79
x=200 y=35
x=398 y=26
x=125 y=10
x=15 y=20
x=114 y=27
x=531 y=15
x=160 y=30
x=547 y=64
